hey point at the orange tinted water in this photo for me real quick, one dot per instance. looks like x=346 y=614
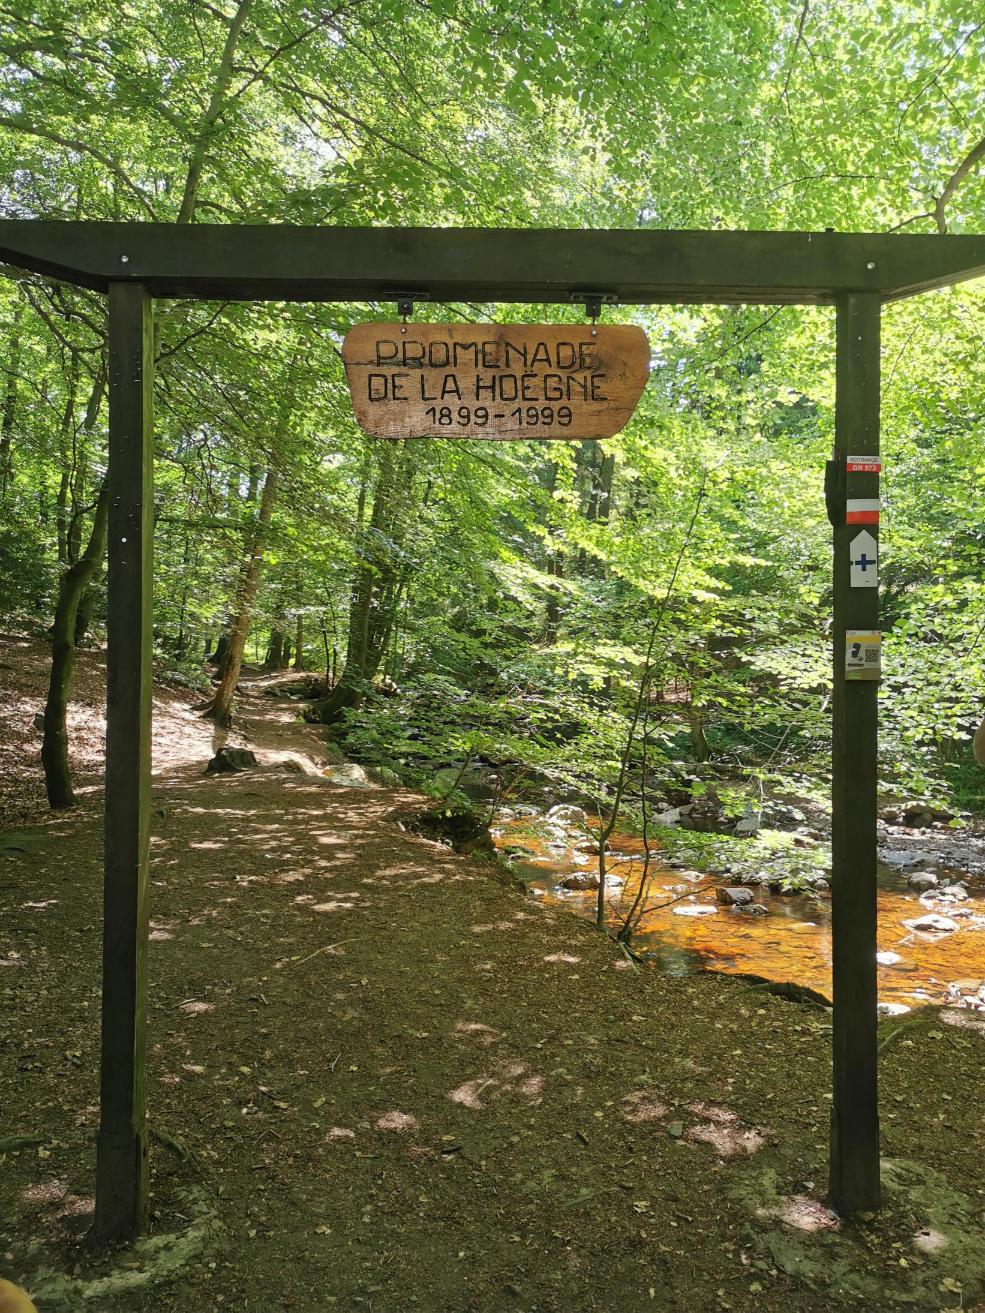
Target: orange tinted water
x=792 y=943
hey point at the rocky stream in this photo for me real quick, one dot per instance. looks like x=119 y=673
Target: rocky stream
x=757 y=903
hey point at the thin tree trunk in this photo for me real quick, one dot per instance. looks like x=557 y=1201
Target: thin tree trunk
x=375 y=593
x=641 y=708
x=54 y=749
x=67 y=477
x=695 y=720
x=10 y=404
x=299 y=642
x=203 y=138
x=219 y=708
x=180 y=643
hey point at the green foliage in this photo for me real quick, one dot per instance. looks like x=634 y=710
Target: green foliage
x=517 y=583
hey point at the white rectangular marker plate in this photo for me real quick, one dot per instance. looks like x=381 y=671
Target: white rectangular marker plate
x=862 y=510
x=862 y=652
x=863 y=554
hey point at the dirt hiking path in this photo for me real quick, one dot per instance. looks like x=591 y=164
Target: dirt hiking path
x=381 y=1079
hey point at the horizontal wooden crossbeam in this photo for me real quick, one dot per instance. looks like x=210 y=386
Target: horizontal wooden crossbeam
x=275 y=262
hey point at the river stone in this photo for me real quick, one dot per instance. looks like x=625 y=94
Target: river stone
x=229 y=760
x=748 y=825
x=348 y=773
x=567 y=814
x=921 y=814
x=888 y=959
x=901 y=857
x=932 y=923
x=672 y=816
x=695 y=909
x=922 y=880
x=757 y=909
x=734 y=897
x=580 y=881
x=589 y=847
x=956 y=892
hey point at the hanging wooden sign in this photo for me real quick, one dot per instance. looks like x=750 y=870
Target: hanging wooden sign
x=561 y=381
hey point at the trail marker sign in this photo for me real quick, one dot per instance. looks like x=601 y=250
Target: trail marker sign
x=508 y=381
x=863 y=559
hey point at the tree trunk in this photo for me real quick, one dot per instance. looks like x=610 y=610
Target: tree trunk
x=299 y=643
x=695 y=720
x=10 y=404
x=210 y=120
x=218 y=657
x=54 y=748
x=219 y=708
x=979 y=745
x=83 y=616
x=375 y=593
x=67 y=459
x=275 y=651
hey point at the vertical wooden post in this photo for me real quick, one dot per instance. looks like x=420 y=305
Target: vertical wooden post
x=121 y=1150
x=854 y=1169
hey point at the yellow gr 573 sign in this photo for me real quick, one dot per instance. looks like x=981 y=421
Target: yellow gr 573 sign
x=495 y=380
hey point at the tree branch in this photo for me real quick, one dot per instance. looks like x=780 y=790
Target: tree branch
x=974 y=156
x=84 y=148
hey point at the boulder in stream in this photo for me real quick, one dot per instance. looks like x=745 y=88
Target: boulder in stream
x=922 y=880
x=566 y=813
x=734 y=897
x=901 y=858
x=932 y=924
x=580 y=881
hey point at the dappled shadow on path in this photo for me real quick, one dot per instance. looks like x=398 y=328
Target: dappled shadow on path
x=403 y=1085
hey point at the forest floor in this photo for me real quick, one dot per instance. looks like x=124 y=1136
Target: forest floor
x=381 y=1079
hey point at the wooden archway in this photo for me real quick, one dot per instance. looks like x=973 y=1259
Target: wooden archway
x=133 y=263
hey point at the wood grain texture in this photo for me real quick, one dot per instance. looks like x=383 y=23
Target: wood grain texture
x=854 y=1183
x=501 y=381
x=121 y=1146
x=638 y=266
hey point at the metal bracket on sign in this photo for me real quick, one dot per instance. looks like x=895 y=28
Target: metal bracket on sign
x=405 y=301
x=593 y=302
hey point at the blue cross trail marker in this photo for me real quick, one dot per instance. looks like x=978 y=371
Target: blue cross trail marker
x=863 y=558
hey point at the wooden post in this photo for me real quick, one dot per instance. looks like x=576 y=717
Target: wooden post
x=121 y=1150
x=854 y=1169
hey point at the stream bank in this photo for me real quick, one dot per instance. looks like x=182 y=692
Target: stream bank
x=760 y=905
